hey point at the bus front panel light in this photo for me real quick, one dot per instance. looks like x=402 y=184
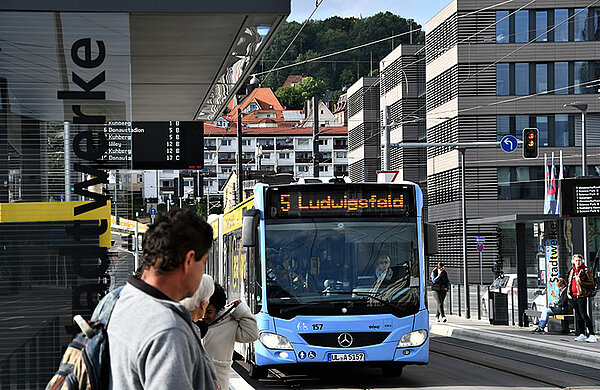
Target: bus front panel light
x=275 y=341
x=413 y=339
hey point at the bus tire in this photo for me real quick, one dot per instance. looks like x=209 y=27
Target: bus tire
x=391 y=371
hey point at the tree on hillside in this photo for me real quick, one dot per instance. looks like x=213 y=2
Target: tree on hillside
x=290 y=97
x=332 y=35
x=310 y=87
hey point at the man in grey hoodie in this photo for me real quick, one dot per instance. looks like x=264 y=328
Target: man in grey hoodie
x=153 y=342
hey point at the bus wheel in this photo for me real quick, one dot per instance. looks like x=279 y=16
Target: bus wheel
x=391 y=371
x=257 y=372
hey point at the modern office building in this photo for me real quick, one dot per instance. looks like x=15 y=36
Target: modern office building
x=402 y=86
x=493 y=70
x=363 y=130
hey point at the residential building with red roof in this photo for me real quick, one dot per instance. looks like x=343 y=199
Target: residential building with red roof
x=292 y=80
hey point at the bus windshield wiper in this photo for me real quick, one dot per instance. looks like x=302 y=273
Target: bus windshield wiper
x=373 y=296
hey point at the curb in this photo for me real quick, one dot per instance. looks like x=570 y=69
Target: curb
x=548 y=349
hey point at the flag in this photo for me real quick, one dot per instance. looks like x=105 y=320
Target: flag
x=546 y=180
x=550 y=197
x=560 y=177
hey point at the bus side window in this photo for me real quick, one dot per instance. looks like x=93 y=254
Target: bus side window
x=256 y=276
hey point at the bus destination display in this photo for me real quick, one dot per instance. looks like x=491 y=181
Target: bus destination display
x=580 y=197
x=329 y=201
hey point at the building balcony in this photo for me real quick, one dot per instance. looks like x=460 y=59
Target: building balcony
x=210 y=174
x=210 y=147
x=227 y=161
x=340 y=147
x=285 y=147
x=247 y=160
x=300 y=160
x=325 y=160
x=167 y=189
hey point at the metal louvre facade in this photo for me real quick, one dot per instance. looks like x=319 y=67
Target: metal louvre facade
x=466 y=102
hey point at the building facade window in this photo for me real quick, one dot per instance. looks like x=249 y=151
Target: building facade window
x=302 y=168
x=503 y=79
x=210 y=142
x=285 y=169
x=284 y=155
x=561 y=32
x=341 y=154
x=247 y=142
x=557 y=25
x=521 y=78
x=502 y=27
x=303 y=142
x=225 y=142
x=541 y=26
x=541 y=78
x=521 y=26
x=561 y=78
x=520 y=183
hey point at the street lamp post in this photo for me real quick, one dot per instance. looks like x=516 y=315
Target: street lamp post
x=583 y=108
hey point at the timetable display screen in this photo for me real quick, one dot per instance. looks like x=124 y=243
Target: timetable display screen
x=334 y=200
x=167 y=145
x=580 y=197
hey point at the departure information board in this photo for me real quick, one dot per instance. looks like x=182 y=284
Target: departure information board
x=334 y=200
x=580 y=197
x=153 y=145
x=167 y=145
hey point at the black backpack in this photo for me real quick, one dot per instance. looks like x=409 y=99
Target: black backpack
x=86 y=364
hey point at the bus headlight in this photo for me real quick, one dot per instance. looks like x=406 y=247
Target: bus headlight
x=275 y=341
x=413 y=339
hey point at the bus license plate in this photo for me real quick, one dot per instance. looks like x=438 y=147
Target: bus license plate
x=346 y=357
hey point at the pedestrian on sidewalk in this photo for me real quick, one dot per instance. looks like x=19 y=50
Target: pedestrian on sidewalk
x=198 y=303
x=581 y=284
x=562 y=306
x=440 y=287
x=227 y=324
x=153 y=342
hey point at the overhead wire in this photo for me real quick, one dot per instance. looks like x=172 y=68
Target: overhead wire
x=318 y=4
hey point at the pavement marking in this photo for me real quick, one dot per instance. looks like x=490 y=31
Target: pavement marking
x=236 y=382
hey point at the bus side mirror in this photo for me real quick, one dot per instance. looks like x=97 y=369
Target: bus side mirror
x=431 y=239
x=249 y=224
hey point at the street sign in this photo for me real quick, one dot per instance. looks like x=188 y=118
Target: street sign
x=509 y=143
x=541 y=249
x=152 y=211
x=480 y=239
x=479 y=247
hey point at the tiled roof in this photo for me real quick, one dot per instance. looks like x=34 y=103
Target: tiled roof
x=292 y=79
x=264 y=97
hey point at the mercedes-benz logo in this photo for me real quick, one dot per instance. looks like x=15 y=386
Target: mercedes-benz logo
x=345 y=340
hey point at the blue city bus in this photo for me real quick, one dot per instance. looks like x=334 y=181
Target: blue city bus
x=335 y=273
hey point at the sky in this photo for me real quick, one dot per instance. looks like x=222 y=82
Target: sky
x=419 y=10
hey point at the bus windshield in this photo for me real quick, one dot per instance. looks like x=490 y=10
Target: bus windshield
x=359 y=266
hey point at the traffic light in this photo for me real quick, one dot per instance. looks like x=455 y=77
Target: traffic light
x=530 y=143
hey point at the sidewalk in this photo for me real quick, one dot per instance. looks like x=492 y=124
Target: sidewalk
x=554 y=346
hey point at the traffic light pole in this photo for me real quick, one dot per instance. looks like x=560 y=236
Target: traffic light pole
x=461 y=146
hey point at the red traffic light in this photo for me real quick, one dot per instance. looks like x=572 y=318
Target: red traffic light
x=530 y=143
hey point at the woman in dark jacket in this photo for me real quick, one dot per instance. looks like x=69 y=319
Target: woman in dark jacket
x=562 y=306
x=440 y=286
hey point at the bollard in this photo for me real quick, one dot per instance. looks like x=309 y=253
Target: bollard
x=459 y=303
x=450 y=299
x=512 y=305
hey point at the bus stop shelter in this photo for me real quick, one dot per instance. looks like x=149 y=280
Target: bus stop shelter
x=524 y=251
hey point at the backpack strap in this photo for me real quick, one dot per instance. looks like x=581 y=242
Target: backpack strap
x=105 y=307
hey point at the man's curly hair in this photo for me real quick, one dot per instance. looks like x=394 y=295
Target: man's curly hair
x=172 y=235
